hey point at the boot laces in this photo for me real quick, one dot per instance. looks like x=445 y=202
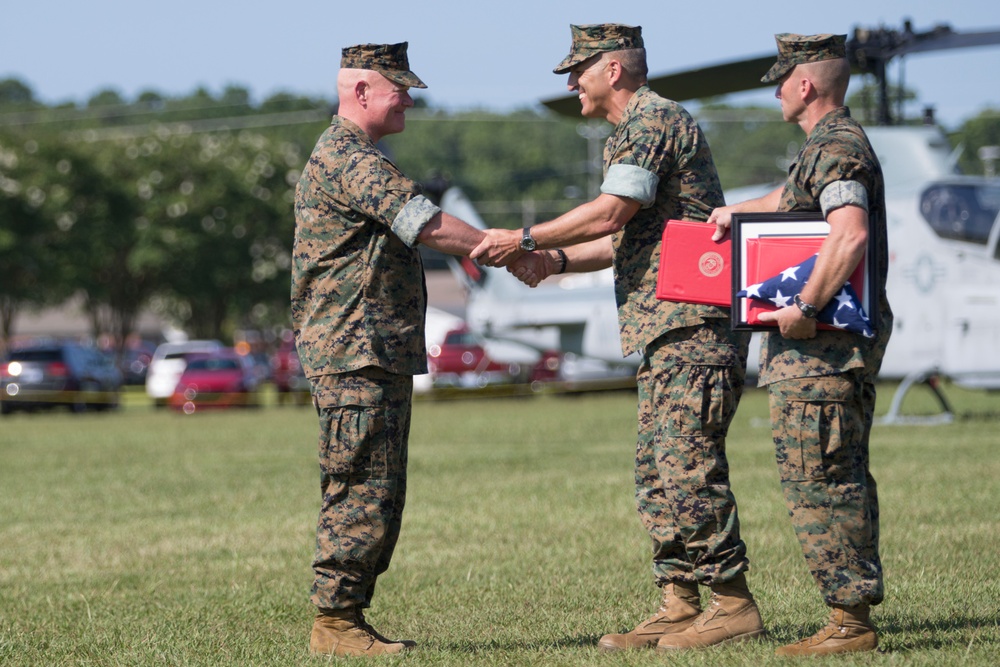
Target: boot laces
x=364 y=625
x=831 y=629
x=706 y=614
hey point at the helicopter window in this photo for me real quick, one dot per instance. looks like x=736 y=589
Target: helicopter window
x=964 y=212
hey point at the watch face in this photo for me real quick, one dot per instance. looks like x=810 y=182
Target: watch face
x=807 y=309
x=527 y=243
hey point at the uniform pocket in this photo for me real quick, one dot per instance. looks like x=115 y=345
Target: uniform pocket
x=353 y=442
x=814 y=424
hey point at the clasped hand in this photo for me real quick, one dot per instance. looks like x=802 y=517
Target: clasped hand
x=502 y=248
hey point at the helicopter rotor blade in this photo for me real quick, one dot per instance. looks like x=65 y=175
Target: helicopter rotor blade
x=868 y=51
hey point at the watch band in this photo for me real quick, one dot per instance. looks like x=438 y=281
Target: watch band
x=807 y=309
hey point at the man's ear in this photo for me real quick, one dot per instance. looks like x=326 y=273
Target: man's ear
x=361 y=92
x=808 y=89
x=614 y=70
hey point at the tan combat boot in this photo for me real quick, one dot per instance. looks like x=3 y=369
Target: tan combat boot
x=345 y=632
x=849 y=630
x=731 y=616
x=680 y=606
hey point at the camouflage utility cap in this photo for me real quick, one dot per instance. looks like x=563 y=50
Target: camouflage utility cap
x=589 y=40
x=799 y=49
x=389 y=60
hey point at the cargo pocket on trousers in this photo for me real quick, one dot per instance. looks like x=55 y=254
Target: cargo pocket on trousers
x=812 y=430
x=354 y=443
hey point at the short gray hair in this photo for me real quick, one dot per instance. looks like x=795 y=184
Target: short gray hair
x=633 y=61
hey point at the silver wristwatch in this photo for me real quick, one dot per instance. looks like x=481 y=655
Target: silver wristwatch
x=527 y=243
x=807 y=309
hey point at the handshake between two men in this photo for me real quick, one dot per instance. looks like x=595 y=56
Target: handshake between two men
x=580 y=238
x=509 y=249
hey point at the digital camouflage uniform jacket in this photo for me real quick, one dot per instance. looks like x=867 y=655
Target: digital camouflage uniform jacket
x=659 y=157
x=837 y=149
x=358 y=293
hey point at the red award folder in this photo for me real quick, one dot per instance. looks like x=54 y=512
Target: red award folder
x=693 y=267
x=768 y=256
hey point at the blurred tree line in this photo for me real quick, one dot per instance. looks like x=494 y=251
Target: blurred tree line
x=183 y=205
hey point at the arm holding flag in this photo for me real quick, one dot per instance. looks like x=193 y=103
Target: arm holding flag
x=838 y=256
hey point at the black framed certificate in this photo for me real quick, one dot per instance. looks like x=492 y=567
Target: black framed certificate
x=773 y=256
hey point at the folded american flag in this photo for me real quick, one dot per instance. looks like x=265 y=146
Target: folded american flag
x=843 y=311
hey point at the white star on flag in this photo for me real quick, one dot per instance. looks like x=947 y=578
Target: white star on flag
x=843 y=311
x=779 y=299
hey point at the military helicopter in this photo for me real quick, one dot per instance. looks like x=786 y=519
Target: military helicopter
x=944 y=238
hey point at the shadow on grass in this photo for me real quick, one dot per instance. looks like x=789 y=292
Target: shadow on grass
x=904 y=635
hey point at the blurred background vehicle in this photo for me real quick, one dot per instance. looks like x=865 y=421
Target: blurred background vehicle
x=287 y=374
x=222 y=378
x=466 y=359
x=52 y=374
x=167 y=364
x=135 y=362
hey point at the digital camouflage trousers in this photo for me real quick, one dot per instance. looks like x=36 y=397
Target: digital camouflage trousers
x=364 y=420
x=821 y=427
x=690 y=382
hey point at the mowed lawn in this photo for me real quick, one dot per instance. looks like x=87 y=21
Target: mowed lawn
x=143 y=537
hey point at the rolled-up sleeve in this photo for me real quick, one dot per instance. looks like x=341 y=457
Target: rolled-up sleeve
x=412 y=218
x=842 y=193
x=626 y=180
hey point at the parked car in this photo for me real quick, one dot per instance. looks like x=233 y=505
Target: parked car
x=168 y=363
x=288 y=375
x=465 y=359
x=53 y=374
x=219 y=379
x=135 y=362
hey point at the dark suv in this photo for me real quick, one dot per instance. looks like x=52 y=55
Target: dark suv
x=47 y=375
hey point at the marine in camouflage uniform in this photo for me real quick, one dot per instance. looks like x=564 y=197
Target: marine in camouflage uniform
x=691 y=376
x=358 y=306
x=693 y=365
x=821 y=388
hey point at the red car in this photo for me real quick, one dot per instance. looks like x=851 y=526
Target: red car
x=221 y=379
x=462 y=360
x=288 y=375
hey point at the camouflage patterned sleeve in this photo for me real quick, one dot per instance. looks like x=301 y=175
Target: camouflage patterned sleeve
x=642 y=149
x=836 y=159
x=413 y=218
x=626 y=180
x=376 y=188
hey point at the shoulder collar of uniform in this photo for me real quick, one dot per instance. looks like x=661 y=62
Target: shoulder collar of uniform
x=640 y=94
x=353 y=127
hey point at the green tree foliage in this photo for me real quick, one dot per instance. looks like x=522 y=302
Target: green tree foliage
x=750 y=145
x=517 y=168
x=15 y=94
x=194 y=221
x=30 y=271
x=981 y=131
x=212 y=224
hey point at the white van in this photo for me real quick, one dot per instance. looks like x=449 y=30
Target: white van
x=167 y=365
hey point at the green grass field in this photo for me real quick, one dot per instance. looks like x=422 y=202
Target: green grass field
x=143 y=537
